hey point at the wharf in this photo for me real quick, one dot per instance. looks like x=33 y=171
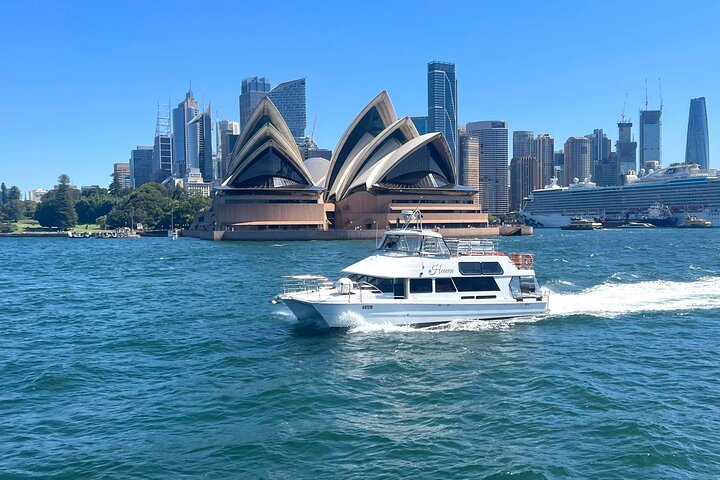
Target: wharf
x=289 y=235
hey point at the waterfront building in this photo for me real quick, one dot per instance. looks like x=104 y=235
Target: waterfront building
x=199 y=144
x=524 y=178
x=290 y=100
x=697 y=148
x=36 y=195
x=493 y=181
x=421 y=124
x=544 y=148
x=523 y=145
x=121 y=173
x=578 y=159
x=650 y=137
x=469 y=161
x=626 y=148
x=225 y=132
x=252 y=90
x=382 y=165
x=267 y=186
x=442 y=102
x=141 y=166
x=181 y=117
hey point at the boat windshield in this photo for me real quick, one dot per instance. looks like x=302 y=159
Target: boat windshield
x=414 y=245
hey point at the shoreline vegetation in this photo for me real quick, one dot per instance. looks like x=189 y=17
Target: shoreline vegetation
x=96 y=210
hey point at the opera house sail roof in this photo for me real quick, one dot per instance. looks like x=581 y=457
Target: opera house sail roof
x=266 y=155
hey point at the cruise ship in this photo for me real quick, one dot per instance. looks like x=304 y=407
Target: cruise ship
x=684 y=189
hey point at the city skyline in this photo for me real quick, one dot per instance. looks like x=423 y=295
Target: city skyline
x=90 y=64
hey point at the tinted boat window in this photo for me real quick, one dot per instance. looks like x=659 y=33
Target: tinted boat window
x=480 y=268
x=476 y=284
x=420 y=285
x=444 y=285
x=492 y=268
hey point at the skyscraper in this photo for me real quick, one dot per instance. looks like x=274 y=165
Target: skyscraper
x=469 y=160
x=225 y=132
x=181 y=116
x=421 y=123
x=697 y=148
x=289 y=98
x=162 y=145
x=522 y=143
x=544 y=152
x=578 y=159
x=524 y=178
x=650 y=137
x=626 y=148
x=199 y=144
x=121 y=173
x=442 y=102
x=253 y=89
x=141 y=160
x=493 y=177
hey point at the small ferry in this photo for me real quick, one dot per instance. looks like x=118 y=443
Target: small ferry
x=416 y=277
x=578 y=223
x=691 y=221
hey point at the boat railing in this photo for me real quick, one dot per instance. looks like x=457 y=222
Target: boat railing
x=472 y=246
x=305 y=283
x=523 y=261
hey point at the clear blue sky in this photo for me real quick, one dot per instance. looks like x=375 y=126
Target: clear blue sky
x=82 y=79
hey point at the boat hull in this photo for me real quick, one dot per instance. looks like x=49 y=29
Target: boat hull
x=401 y=312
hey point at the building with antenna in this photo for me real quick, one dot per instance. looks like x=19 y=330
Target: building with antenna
x=697 y=148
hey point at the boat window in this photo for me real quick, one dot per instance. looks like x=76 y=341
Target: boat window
x=434 y=246
x=480 y=268
x=420 y=285
x=385 y=285
x=444 y=285
x=476 y=284
x=399 y=288
x=515 y=287
x=401 y=243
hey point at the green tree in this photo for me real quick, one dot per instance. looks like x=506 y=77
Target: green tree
x=57 y=208
x=12 y=206
x=148 y=205
x=29 y=208
x=3 y=193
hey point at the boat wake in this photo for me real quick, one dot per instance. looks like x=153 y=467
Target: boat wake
x=614 y=299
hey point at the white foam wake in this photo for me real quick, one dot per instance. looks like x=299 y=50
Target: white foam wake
x=612 y=299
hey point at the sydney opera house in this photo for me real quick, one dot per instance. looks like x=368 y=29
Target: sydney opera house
x=381 y=166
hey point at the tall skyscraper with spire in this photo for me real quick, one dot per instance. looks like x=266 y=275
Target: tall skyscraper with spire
x=442 y=102
x=697 y=148
x=181 y=117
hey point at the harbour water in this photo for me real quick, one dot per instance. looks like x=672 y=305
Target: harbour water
x=146 y=358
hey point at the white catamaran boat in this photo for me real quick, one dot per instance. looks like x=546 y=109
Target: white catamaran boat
x=416 y=277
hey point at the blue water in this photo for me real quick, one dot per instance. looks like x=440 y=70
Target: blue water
x=146 y=358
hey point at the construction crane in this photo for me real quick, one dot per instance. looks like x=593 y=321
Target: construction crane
x=660 y=90
x=622 y=114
